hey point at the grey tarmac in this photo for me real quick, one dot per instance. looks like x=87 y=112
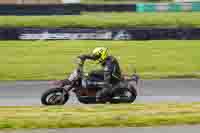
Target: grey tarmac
x=21 y=93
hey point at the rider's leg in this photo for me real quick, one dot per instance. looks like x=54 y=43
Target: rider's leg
x=108 y=90
x=104 y=94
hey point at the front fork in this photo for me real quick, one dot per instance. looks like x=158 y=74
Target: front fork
x=66 y=87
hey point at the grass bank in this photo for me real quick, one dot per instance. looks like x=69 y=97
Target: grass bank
x=105 y=20
x=138 y=115
x=46 y=60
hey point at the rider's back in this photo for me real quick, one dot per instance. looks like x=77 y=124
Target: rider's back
x=112 y=70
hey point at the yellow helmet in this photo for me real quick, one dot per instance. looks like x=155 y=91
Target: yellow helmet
x=100 y=53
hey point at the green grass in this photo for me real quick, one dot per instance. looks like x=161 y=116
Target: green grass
x=46 y=60
x=105 y=20
x=138 y=115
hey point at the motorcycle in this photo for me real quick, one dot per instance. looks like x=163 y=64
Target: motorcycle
x=126 y=91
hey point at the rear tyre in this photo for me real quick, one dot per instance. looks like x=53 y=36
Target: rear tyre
x=128 y=96
x=87 y=99
x=54 y=96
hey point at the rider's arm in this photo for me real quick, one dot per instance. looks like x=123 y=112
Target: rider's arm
x=84 y=57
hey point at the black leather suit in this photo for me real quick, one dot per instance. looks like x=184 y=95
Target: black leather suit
x=111 y=75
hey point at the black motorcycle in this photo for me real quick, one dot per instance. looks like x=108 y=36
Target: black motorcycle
x=126 y=91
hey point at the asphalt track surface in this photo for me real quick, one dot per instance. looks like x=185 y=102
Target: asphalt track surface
x=176 y=129
x=22 y=93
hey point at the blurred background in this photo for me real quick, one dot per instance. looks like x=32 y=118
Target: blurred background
x=85 y=1
x=36 y=1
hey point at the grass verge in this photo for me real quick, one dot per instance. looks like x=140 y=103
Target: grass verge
x=138 y=115
x=105 y=20
x=46 y=60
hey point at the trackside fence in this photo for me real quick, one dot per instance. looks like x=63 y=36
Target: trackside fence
x=99 y=34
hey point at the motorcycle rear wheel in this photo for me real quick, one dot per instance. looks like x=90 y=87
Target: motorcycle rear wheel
x=54 y=96
x=127 y=97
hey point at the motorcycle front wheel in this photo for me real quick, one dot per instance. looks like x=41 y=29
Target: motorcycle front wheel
x=54 y=96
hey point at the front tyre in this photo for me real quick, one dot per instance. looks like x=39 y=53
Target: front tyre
x=54 y=96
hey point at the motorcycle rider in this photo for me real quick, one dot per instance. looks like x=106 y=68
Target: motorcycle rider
x=111 y=71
